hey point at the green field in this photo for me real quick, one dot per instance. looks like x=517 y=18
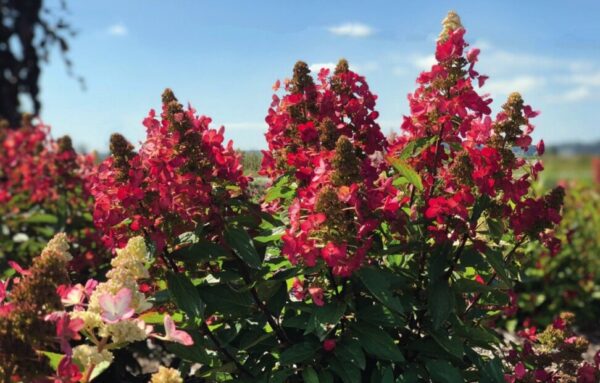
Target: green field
x=557 y=167
x=566 y=168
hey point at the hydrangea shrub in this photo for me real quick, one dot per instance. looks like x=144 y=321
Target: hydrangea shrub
x=44 y=189
x=365 y=261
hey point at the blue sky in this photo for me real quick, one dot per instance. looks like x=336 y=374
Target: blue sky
x=223 y=57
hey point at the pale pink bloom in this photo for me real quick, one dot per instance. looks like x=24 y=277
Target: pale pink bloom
x=90 y=286
x=71 y=295
x=116 y=307
x=174 y=335
x=3 y=289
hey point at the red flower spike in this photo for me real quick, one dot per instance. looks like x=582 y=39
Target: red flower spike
x=182 y=177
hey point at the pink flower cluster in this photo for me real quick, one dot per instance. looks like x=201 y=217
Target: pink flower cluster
x=552 y=356
x=182 y=176
x=36 y=166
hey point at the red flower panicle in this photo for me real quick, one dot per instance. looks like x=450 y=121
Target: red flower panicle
x=465 y=157
x=41 y=175
x=181 y=177
x=324 y=137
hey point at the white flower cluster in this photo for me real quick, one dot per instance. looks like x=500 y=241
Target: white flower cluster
x=58 y=247
x=127 y=268
x=450 y=23
x=166 y=375
x=90 y=356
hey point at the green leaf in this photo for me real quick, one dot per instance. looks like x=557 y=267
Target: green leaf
x=495 y=228
x=452 y=345
x=54 y=358
x=185 y=295
x=442 y=371
x=325 y=377
x=199 y=252
x=242 y=245
x=194 y=353
x=280 y=189
x=330 y=313
x=379 y=315
x=280 y=376
x=347 y=372
x=492 y=371
x=298 y=353
x=414 y=147
x=376 y=282
x=99 y=369
x=388 y=375
x=378 y=342
x=309 y=375
x=496 y=260
x=406 y=171
x=42 y=218
x=440 y=302
x=350 y=351
x=225 y=300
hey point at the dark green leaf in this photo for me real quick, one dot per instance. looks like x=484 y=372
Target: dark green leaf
x=298 y=353
x=185 y=295
x=378 y=342
x=325 y=377
x=242 y=245
x=225 y=300
x=194 y=353
x=347 y=372
x=350 y=351
x=377 y=283
x=199 y=252
x=380 y=315
x=309 y=375
x=441 y=302
x=496 y=260
x=442 y=371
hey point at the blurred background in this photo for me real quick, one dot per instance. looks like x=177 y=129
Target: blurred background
x=96 y=67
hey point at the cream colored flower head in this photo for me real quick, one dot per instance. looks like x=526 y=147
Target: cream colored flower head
x=58 y=247
x=127 y=268
x=450 y=23
x=166 y=375
x=88 y=355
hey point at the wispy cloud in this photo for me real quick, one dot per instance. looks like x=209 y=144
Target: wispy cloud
x=423 y=62
x=118 y=29
x=553 y=78
x=577 y=94
x=352 y=30
x=316 y=67
x=523 y=84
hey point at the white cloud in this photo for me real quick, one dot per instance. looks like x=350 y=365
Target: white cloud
x=316 y=67
x=577 y=94
x=423 y=62
x=352 y=30
x=505 y=86
x=118 y=29
x=574 y=95
x=367 y=67
x=590 y=78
